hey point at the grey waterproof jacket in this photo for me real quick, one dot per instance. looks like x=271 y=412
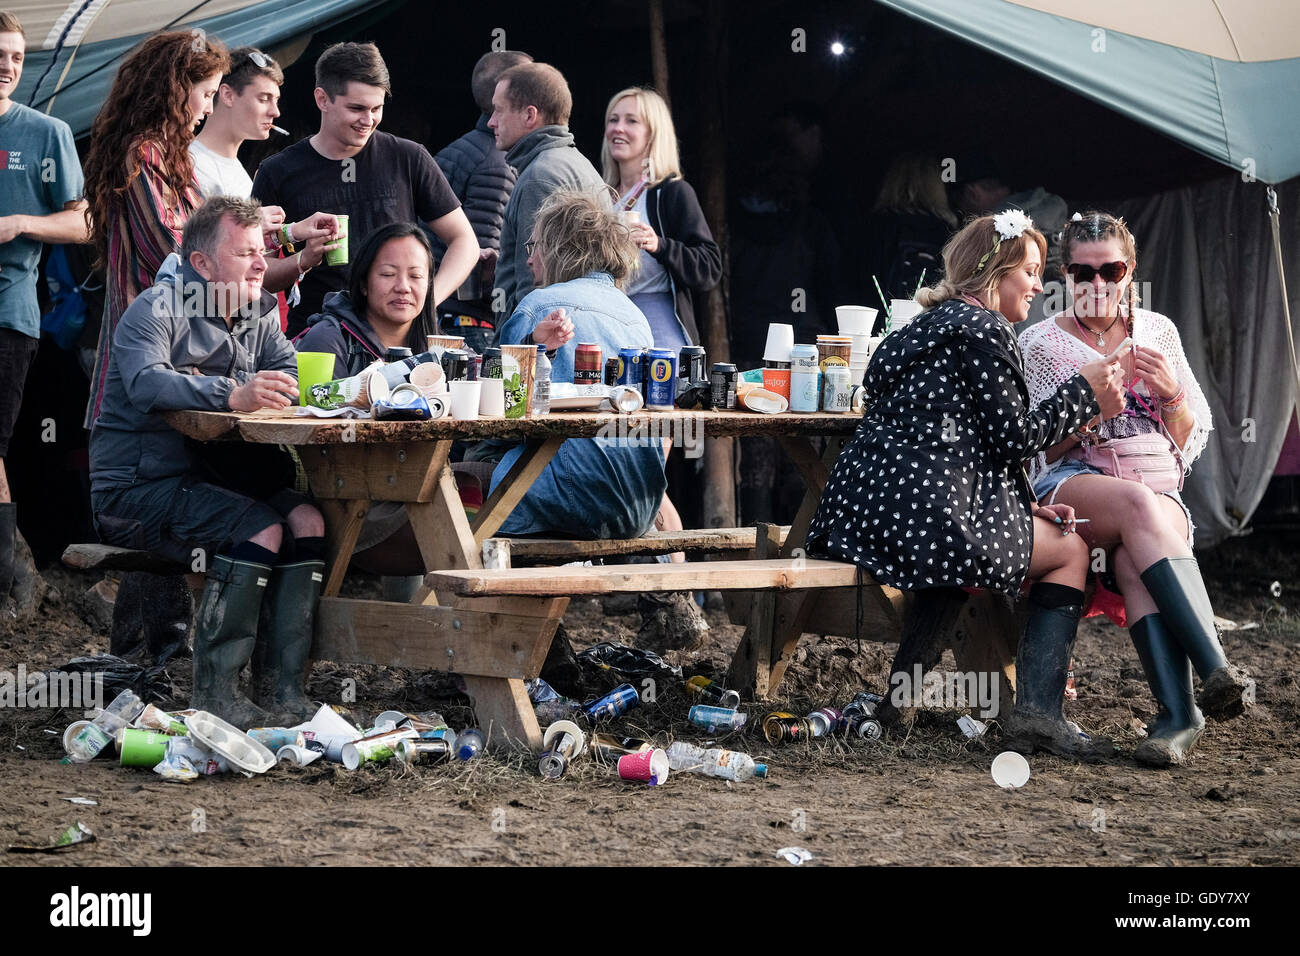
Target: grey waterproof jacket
x=169 y=353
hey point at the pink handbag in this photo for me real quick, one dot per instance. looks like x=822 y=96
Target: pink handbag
x=1152 y=459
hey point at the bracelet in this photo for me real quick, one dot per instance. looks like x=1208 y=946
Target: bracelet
x=302 y=273
x=286 y=236
x=1179 y=397
x=1178 y=413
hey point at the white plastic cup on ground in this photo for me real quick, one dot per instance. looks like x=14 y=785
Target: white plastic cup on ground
x=1010 y=770
x=855 y=319
x=492 y=398
x=465 y=397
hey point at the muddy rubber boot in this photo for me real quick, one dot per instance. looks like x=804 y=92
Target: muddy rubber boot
x=670 y=621
x=283 y=651
x=1037 y=722
x=126 y=633
x=167 y=614
x=1178 y=589
x=561 y=668
x=1169 y=673
x=224 y=636
x=8 y=532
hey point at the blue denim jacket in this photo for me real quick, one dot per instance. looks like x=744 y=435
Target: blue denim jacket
x=598 y=487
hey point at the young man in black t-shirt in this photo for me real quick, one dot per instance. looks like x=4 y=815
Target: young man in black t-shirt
x=349 y=168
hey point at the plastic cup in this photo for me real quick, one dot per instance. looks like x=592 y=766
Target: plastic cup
x=518 y=365
x=339 y=256
x=780 y=340
x=465 y=397
x=903 y=311
x=777 y=380
x=143 y=748
x=314 y=368
x=648 y=766
x=492 y=398
x=1010 y=770
x=855 y=319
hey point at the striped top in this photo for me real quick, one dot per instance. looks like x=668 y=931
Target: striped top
x=144 y=227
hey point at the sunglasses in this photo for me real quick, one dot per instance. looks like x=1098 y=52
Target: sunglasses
x=260 y=59
x=1110 y=271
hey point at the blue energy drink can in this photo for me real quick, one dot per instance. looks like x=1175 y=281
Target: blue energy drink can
x=631 y=368
x=617 y=702
x=660 y=379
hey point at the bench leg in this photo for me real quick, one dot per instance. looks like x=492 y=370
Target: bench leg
x=504 y=712
x=985 y=641
x=752 y=663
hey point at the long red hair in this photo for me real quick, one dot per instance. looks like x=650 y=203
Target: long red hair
x=148 y=101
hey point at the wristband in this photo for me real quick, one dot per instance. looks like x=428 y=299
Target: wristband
x=286 y=236
x=1179 y=397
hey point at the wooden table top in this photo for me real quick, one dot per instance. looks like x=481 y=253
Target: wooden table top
x=269 y=427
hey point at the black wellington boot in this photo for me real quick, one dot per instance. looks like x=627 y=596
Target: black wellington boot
x=1038 y=722
x=224 y=636
x=283 y=651
x=1169 y=673
x=1175 y=584
x=8 y=534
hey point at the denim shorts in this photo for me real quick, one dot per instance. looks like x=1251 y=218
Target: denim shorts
x=1046 y=486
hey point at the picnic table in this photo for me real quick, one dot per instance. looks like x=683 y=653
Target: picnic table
x=493 y=628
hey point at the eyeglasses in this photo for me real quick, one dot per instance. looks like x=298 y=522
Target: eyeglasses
x=530 y=246
x=1110 y=271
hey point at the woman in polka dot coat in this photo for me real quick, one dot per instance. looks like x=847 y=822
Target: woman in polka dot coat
x=931 y=491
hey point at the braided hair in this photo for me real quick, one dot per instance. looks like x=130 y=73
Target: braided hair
x=1095 y=226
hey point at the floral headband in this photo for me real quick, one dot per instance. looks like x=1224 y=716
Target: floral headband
x=1007 y=225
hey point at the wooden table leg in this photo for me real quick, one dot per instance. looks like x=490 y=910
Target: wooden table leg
x=504 y=712
x=751 y=664
x=985 y=639
x=343 y=521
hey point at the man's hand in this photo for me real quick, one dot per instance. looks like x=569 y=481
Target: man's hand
x=553 y=331
x=272 y=217
x=318 y=233
x=487 y=266
x=264 y=390
x=11 y=227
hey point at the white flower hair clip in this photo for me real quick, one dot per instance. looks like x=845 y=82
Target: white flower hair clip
x=1077 y=217
x=1008 y=225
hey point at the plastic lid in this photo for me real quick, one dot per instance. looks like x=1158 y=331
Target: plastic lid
x=230 y=742
x=760 y=770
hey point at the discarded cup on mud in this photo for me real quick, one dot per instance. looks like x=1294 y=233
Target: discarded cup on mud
x=1010 y=770
x=141 y=748
x=296 y=756
x=87 y=743
x=562 y=743
x=649 y=766
x=971 y=727
x=794 y=855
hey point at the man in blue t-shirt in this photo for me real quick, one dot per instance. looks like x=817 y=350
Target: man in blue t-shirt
x=40 y=194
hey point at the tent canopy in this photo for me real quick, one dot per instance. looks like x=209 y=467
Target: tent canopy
x=75 y=46
x=1219 y=76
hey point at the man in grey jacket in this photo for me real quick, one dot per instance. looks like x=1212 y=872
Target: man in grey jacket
x=206 y=336
x=530 y=116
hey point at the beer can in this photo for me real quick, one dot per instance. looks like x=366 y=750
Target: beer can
x=455 y=364
x=722 y=386
x=805 y=379
x=587 y=364
x=826 y=721
x=690 y=364
x=631 y=368
x=619 y=701
x=473 y=366
x=423 y=751
x=836 y=393
x=661 y=379
x=607 y=748
x=713 y=692
x=780 y=727
x=396 y=354
x=866 y=726
x=714 y=719
x=491 y=363
x=613 y=367
x=374 y=749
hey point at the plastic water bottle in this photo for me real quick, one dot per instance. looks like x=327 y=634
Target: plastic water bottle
x=541 y=404
x=470 y=743
x=98 y=734
x=714 y=762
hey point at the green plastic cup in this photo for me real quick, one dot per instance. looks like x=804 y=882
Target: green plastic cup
x=143 y=748
x=314 y=368
x=339 y=256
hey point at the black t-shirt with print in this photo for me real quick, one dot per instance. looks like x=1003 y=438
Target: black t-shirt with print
x=390 y=180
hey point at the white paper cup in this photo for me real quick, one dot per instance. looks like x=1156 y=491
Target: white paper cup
x=780 y=340
x=492 y=398
x=1010 y=770
x=855 y=319
x=296 y=756
x=465 y=397
x=903 y=311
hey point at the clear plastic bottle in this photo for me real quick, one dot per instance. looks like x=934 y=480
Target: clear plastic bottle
x=541 y=404
x=470 y=743
x=714 y=762
x=98 y=734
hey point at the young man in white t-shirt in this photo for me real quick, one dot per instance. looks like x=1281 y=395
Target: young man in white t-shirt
x=246 y=107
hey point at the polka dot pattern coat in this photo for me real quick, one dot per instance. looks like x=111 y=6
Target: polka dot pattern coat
x=931 y=490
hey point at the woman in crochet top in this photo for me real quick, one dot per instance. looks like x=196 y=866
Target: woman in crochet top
x=1146 y=535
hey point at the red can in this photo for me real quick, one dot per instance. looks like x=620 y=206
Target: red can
x=587 y=364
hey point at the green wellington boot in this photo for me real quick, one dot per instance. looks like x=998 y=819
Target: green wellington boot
x=224 y=636
x=1175 y=584
x=1037 y=722
x=284 y=641
x=1169 y=672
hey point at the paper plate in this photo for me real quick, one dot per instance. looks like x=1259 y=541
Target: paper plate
x=1010 y=770
x=230 y=742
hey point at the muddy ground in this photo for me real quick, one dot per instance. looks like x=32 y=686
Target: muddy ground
x=924 y=798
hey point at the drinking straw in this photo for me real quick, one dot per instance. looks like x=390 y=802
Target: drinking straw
x=883 y=301
x=921 y=282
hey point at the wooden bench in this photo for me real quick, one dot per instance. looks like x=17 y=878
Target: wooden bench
x=105 y=557
x=563 y=550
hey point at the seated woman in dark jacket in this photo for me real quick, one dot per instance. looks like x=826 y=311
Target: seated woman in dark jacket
x=931 y=492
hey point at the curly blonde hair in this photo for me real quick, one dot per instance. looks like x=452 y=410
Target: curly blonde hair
x=577 y=232
x=962 y=271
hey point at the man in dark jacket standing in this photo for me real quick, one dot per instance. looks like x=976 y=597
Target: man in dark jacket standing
x=482 y=180
x=207 y=337
x=530 y=117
